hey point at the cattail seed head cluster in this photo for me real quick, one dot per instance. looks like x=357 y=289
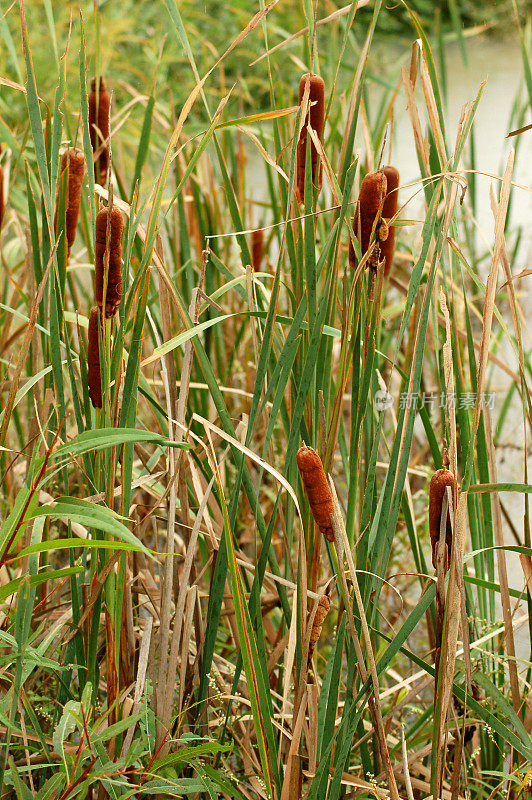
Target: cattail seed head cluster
x=99 y=104
x=315 y=117
x=74 y=161
x=368 y=215
x=389 y=210
x=108 y=285
x=108 y=261
x=438 y=487
x=94 y=378
x=317 y=489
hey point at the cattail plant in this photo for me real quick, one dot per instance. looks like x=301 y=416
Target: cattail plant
x=108 y=267
x=315 y=117
x=2 y=206
x=322 y=610
x=438 y=486
x=94 y=378
x=74 y=161
x=389 y=210
x=99 y=104
x=257 y=248
x=368 y=216
x=317 y=489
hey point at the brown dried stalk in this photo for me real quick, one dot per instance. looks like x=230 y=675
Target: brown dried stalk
x=317 y=489
x=94 y=379
x=316 y=118
x=113 y=285
x=74 y=161
x=99 y=104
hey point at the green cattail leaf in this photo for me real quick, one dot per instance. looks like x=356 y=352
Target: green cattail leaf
x=72 y=544
x=144 y=144
x=47 y=575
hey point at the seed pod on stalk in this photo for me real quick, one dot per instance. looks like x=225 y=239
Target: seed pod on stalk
x=113 y=293
x=438 y=486
x=257 y=248
x=322 y=610
x=389 y=210
x=316 y=117
x=99 y=104
x=317 y=489
x=368 y=216
x=94 y=378
x=74 y=161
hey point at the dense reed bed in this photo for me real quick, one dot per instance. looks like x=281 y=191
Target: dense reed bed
x=253 y=543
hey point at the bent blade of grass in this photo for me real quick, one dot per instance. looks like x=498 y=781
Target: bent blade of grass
x=90 y=516
x=13 y=586
x=181 y=338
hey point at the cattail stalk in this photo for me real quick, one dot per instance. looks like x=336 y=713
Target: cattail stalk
x=389 y=210
x=108 y=266
x=441 y=479
x=368 y=217
x=74 y=161
x=317 y=489
x=2 y=202
x=94 y=378
x=99 y=104
x=2 y=207
x=438 y=486
x=315 y=117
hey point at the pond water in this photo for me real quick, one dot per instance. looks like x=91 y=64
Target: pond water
x=498 y=62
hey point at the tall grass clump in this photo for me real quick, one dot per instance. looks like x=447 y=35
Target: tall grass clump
x=193 y=602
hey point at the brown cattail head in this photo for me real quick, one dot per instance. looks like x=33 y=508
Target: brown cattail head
x=113 y=294
x=317 y=489
x=74 y=161
x=99 y=104
x=322 y=610
x=389 y=210
x=94 y=378
x=316 y=118
x=368 y=214
x=257 y=248
x=438 y=486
